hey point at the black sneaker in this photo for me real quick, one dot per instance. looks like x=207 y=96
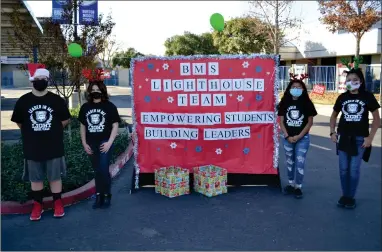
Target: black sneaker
x=288 y=189
x=298 y=193
x=350 y=204
x=99 y=201
x=342 y=201
x=107 y=201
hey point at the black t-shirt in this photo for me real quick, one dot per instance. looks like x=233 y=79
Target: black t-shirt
x=41 y=125
x=355 y=109
x=98 y=119
x=296 y=114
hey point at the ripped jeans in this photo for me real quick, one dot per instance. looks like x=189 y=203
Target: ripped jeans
x=295 y=159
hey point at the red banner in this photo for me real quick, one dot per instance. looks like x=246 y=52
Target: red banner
x=318 y=89
x=193 y=111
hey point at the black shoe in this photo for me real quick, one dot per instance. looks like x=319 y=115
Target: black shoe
x=107 y=201
x=99 y=201
x=350 y=204
x=288 y=189
x=298 y=193
x=342 y=201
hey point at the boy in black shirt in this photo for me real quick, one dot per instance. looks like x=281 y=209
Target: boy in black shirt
x=352 y=136
x=42 y=116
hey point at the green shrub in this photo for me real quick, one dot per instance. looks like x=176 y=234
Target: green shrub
x=79 y=170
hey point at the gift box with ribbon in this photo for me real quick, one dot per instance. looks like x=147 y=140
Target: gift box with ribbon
x=210 y=180
x=172 y=181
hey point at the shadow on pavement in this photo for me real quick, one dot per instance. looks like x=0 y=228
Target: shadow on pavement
x=247 y=218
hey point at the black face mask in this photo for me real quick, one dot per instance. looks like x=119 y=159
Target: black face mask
x=95 y=95
x=40 y=85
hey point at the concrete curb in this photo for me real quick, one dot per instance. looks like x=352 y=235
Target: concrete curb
x=72 y=197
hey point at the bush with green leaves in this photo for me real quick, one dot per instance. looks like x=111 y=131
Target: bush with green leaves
x=79 y=170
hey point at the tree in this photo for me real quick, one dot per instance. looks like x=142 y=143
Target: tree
x=190 y=44
x=276 y=15
x=111 y=47
x=356 y=17
x=66 y=71
x=244 y=35
x=123 y=58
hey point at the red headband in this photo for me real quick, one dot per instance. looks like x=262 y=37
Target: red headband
x=293 y=77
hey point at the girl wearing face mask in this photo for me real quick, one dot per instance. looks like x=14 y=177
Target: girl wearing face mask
x=296 y=112
x=99 y=126
x=353 y=137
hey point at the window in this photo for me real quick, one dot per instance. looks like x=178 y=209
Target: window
x=332 y=61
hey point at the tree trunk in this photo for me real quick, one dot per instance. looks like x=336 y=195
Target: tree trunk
x=276 y=44
x=357 y=47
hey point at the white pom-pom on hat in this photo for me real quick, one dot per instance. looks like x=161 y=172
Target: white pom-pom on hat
x=41 y=72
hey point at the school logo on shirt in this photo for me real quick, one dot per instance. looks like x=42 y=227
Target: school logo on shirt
x=294 y=117
x=96 y=120
x=41 y=117
x=353 y=110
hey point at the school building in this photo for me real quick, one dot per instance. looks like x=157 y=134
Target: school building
x=318 y=52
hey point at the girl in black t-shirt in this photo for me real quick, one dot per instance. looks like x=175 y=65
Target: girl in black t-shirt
x=352 y=137
x=296 y=112
x=99 y=126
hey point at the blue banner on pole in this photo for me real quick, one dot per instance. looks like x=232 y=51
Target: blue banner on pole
x=58 y=11
x=89 y=12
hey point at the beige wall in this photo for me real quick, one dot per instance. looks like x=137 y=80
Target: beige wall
x=376 y=59
x=19 y=79
x=123 y=77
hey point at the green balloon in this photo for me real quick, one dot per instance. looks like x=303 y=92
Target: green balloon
x=217 y=21
x=75 y=50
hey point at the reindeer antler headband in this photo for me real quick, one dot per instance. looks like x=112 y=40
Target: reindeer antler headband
x=354 y=65
x=293 y=77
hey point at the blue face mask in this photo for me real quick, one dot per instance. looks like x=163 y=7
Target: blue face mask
x=296 y=92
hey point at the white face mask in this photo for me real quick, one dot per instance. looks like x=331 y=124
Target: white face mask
x=350 y=85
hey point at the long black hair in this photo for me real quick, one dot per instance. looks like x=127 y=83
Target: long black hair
x=287 y=97
x=361 y=77
x=102 y=88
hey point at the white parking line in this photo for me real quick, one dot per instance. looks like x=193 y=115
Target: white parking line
x=320 y=147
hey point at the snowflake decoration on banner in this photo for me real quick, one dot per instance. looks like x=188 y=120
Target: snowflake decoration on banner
x=268 y=73
x=230 y=95
x=259 y=97
x=142 y=70
x=243 y=74
x=147 y=98
x=173 y=145
x=171 y=71
x=246 y=151
x=226 y=145
x=259 y=69
x=198 y=149
x=219 y=151
x=157 y=70
x=165 y=66
x=245 y=64
x=158 y=149
x=170 y=99
x=230 y=69
x=240 y=98
x=139 y=86
x=147 y=79
x=158 y=98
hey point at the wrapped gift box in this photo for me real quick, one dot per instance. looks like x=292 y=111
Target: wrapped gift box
x=172 y=181
x=210 y=180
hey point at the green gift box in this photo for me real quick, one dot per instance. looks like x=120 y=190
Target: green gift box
x=172 y=181
x=210 y=180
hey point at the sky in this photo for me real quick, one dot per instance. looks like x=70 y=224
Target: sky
x=145 y=25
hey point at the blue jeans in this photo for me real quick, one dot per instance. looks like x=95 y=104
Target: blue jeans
x=350 y=169
x=295 y=159
x=100 y=162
